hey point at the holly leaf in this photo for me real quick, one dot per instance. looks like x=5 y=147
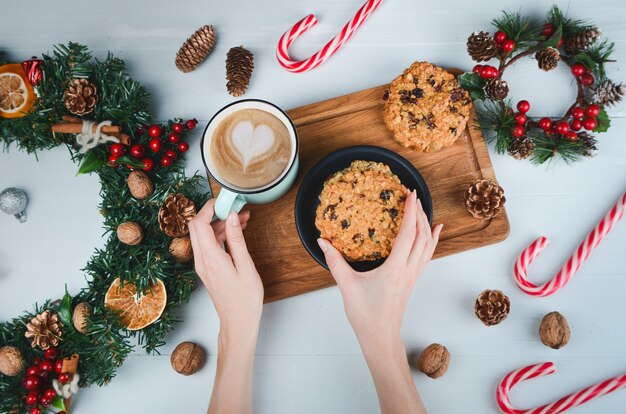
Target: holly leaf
x=58 y=403
x=132 y=161
x=90 y=163
x=585 y=59
x=474 y=84
x=65 y=309
x=554 y=40
x=604 y=122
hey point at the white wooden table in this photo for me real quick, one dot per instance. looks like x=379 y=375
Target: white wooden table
x=308 y=360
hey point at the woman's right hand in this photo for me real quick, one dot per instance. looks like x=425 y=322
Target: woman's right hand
x=375 y=301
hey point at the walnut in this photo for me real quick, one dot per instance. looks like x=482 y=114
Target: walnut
x=81 y=312
x=140 y=185
x=188 y=358
x=434 y=360
x=180 y=248
x=11 y=362
x=554 y=331
x=130 y=233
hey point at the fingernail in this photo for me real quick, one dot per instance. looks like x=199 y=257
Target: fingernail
x=233 y=220
x=322 y=244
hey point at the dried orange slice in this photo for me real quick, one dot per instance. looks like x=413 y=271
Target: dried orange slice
x=16 y=93
x=136 y=311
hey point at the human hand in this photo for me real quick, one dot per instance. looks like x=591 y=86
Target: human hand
x=230 y=277
x=375 y=301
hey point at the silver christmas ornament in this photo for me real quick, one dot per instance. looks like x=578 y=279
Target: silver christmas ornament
x=13 y=201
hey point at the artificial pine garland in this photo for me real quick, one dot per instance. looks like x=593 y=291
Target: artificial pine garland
x=122 y=100
x=558 y=39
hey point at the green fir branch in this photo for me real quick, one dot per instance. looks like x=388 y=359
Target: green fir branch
x=549 y=147
x=568 y=26
x=497 y=121
x=525 y=31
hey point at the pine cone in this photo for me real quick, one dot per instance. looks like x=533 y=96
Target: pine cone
x=548 y=58
x=607 y=93
x=81 y=97
x=496 y=89
x=484 y=199
x=582 y=40
x=44 y=330
x=196 y=49
x=239 y=66
x=492 y=307
x=481 y=46
x=175 y=213
x=521 y=148
x=589 y=141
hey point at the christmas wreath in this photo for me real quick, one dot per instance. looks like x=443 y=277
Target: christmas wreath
x=144 y=270
x=557 y=40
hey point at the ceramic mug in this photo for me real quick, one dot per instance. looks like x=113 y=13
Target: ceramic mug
x=231 y=197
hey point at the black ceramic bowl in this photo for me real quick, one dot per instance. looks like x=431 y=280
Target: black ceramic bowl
x=307 y=199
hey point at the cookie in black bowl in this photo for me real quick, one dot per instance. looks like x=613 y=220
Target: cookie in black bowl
x=307 y=200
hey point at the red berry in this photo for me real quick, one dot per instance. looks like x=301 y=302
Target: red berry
x=475 y=69
x=523 y=106
x=499 y=36
x=170 y=153
x=576 y=125
x=140 y=130
x=578 y=69
x=117 y=149
x=37 y=361
x=32 y=370
x=32 y=398
x=548 y=30
x=166 y=161
x=50 y=393
x=562 y=127
x=521 y=119
x=488 y=72
x=173 y=137
x=517 y=131
x=154 y=131
x=31 y=382
x=508 y=45
x=155 y=145
x=137 y=151
x=58 y=366
x=51 y=353
x=113 y=160
x=35 y=410
x=44 y=374
x=64 y=377
x=590 y=124
x=191 y=123
x=560 y=42
x=592 y=111
x=183 y=146
x=44 y=402
x=578 y=112
x=545 y=123
x=177 y=127
x=587 y=79
x=46 y=366
x=148 y=164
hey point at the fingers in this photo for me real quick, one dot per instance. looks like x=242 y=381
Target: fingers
x=237 y=243
x=201 y=232
x=423 y=235
x=338 y=266
x=406 y=235
x=436 y=232
x=219 y=226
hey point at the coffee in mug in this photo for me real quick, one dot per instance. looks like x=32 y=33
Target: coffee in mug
x=250 y=148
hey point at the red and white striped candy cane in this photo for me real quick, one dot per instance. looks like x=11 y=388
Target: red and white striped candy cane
x=565 y=403
x=282 y=51
x=573 y=263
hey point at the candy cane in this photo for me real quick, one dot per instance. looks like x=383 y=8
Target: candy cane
x=573 y=263
x=282 y=51
x=565 y=403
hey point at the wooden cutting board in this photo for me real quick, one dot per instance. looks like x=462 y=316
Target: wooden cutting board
x=285 y=266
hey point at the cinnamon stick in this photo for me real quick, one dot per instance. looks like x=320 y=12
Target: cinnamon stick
x=69 y=118
x=70 y=365
x=77 y=128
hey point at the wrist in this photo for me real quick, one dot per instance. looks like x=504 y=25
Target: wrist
x=238 y=337
x=388 y=347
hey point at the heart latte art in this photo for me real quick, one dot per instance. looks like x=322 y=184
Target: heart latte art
x=250 y=148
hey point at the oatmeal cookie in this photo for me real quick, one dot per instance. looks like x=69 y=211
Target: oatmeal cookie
x=361 y=208
x=426 y=108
